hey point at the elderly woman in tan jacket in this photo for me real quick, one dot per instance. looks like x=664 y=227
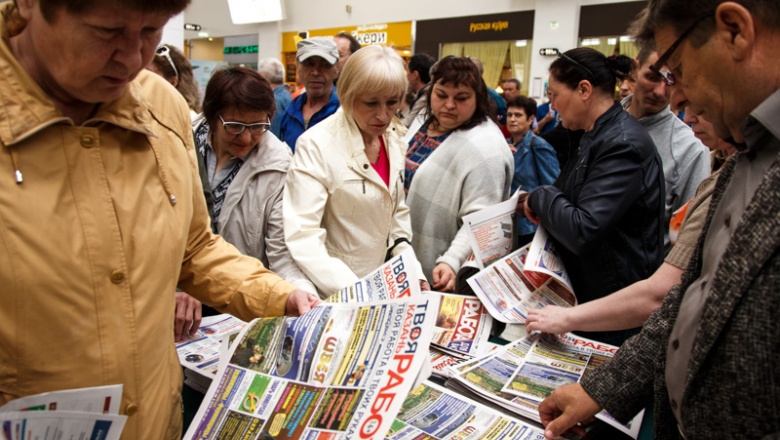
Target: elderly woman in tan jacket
x=344 y=209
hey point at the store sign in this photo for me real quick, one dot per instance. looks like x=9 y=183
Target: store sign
x=549 y=52
x=371 y=38
x=240 y=49
x=191 y=27
x=495 y=26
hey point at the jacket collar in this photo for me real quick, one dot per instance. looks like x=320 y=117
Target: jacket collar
x=28 y=109
x=360 y=162
x=733 y=278
x=605 y=120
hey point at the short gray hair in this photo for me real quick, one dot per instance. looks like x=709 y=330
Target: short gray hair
x=272 y=69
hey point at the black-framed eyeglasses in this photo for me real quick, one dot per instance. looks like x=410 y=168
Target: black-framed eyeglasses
x=236 y=128
x=576 y=63
x=164 y=51
x=666 y=75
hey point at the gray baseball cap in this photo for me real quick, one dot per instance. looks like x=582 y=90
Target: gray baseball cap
x=323 y=47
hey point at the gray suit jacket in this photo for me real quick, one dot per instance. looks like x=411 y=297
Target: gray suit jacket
x=733 y=380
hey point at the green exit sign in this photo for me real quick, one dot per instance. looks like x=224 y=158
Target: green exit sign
x=240 y=49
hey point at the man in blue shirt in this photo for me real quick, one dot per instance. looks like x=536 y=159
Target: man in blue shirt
x=317 y=58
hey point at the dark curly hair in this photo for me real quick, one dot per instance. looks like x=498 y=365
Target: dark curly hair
x=456 y=71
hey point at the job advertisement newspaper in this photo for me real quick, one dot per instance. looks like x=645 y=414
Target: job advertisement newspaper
x=436 y=413
x=531 y=277
x=524 y=373
x=491 y=231
x=201 y=353
x=462 y=325
x=341 y=371
x=397 y=278
x=88 y=413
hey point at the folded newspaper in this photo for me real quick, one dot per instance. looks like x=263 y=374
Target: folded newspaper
x=510 y=283
x=84 y=413
x=520 y=375
x=436 y=413
x=340 y=371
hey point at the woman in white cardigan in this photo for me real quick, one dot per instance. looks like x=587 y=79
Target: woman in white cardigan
x=344 y=210
x=458 y=162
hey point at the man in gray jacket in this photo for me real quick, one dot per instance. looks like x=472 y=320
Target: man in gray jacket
x=685 y=159
x=709 y=355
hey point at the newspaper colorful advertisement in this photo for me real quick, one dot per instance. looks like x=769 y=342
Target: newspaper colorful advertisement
x=201 y=353
x=397 y=278
x=341 y=371
x=508 y=290
x=491 y=231
x=544 y=258
x=89 y=413
x=524 y=373
x=433 y=412
x=462 y=325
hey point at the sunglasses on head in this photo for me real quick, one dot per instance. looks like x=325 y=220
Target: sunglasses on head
x=164 y=51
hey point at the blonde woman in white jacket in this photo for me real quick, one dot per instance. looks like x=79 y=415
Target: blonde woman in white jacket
x=344 y=209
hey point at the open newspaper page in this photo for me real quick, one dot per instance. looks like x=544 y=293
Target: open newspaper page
x=201 y=353
x=442 y=363
x=527 y=371
x=491 y=231
x=484 y=379
x=544 y=258
x=436 y=413
x=462 y=325
x=508 y=290
x=340 y=371
x=77 y=413
x=397 y=278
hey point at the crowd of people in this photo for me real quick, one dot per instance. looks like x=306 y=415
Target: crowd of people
x=255 y=203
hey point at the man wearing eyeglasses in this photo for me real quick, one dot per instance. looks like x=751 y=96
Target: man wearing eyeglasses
x=707 y=359
x=102 y=213
x=686 y=161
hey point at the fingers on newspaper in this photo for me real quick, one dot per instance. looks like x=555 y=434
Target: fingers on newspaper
x=342 y=370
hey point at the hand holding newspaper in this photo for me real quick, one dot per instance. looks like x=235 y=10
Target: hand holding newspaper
x=340 y=371
x=522 y=374
x=510 y=283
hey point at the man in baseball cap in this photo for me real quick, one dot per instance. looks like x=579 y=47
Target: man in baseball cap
x=317 y=58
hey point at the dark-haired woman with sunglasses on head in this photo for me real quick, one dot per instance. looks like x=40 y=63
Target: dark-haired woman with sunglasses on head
x=246 y=166
x=170 y=63
x=606 y=216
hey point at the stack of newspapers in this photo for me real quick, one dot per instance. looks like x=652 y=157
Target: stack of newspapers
x=85 y=413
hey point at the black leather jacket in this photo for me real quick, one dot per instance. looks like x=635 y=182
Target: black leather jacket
x=607 y=216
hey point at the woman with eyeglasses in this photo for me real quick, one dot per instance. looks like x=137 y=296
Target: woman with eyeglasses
x=246 y=166
x=172 y=65
x=606 y=216
x=344 y=209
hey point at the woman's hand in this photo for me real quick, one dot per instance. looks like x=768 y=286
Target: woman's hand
x=443 y=278
x=550 y=319
x=529 y=213
x=300 y=302
x=424 y=286
x=187 y=319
